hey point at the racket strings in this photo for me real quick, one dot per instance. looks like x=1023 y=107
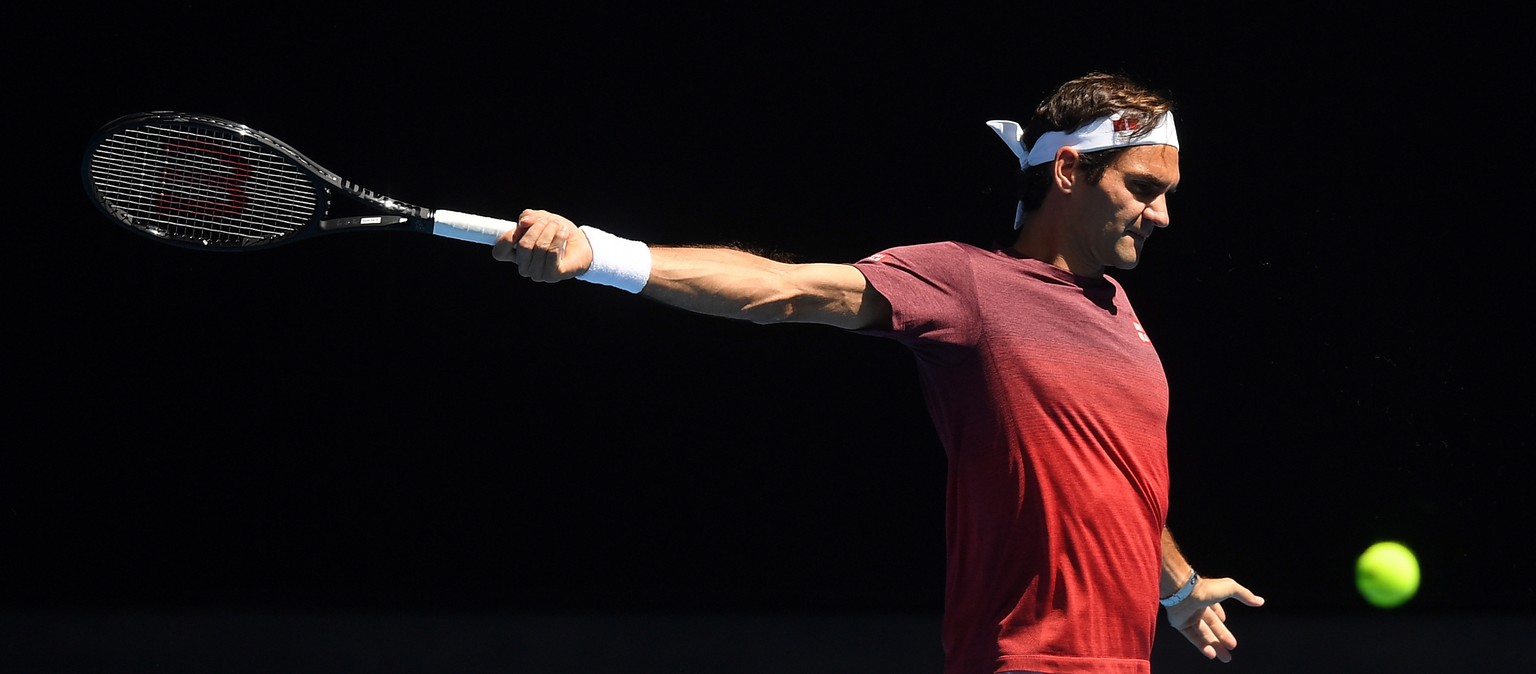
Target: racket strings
x=201 y=184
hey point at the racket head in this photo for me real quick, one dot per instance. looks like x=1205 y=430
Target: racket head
x=203 y=182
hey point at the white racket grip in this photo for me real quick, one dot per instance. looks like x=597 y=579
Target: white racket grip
x=470 y=227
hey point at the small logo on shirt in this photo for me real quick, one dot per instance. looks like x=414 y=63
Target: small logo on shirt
x=1141 y=332
x=875 y=258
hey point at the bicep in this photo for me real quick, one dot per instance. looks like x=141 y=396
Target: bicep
x=834 y=294
x=736 y=284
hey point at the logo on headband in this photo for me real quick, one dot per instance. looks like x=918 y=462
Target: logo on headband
x=1123 y=128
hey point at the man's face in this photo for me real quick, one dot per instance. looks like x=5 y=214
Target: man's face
x=1130 y=201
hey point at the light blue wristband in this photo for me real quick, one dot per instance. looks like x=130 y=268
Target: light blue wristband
x=1183 y=593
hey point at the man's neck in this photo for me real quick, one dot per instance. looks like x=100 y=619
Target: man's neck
x=1041 y=238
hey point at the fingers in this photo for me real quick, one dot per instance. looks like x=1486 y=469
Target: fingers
x=505 y=247
x=1210 y=646
x=1211 y=636
x=1204 y=621
x=543 y=250
x=537 y=245
x=1221 y=638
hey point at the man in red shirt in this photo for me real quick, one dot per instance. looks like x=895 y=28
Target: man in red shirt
x=1046 y=392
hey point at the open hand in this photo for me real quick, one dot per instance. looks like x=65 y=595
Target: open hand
x=1202 y=620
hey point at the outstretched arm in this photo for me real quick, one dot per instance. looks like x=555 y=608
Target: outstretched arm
x=1199 y=615
x=725 y=282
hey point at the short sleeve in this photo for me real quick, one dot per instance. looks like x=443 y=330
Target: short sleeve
x=931 y=289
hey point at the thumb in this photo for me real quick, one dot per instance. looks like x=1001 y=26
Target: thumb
x=1219 y=589
x=576 y=256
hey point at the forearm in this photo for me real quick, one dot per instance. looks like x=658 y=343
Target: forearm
x=714 y=281
x=737 y=284
x=1175 y=568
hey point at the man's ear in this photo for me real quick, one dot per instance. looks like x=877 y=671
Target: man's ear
x=1064 y=168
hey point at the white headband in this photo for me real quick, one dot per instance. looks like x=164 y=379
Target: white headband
x=1100 y=134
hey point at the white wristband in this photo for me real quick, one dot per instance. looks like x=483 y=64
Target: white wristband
x=617 y=262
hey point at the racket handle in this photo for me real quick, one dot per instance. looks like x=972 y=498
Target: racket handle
x=470 y=227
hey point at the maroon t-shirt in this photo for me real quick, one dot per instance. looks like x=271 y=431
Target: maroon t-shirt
x=1052 y=407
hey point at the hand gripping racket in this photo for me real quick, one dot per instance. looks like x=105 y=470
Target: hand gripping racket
x=212 y=184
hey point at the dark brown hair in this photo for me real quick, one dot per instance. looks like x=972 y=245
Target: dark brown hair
x=1079 y=102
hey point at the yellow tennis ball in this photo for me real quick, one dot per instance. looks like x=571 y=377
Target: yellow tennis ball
x=1387 y=574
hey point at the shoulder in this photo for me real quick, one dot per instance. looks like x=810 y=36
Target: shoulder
x=940 y=250
x=923 y=273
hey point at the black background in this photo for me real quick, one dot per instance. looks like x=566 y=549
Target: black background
x=397 y=422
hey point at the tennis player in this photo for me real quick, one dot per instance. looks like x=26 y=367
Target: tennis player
x=1046 y=392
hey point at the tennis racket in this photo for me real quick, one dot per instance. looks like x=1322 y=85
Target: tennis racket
x=212 y=184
